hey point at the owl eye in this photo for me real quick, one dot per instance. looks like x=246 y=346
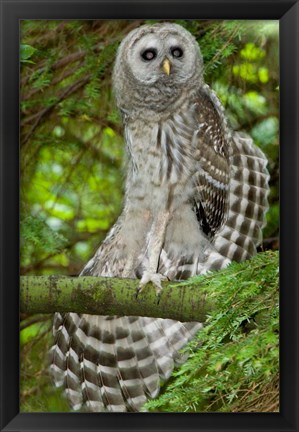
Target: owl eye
x=149 y=54
x=177 y=52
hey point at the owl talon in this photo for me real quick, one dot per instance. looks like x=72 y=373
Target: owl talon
x=138 y=291
x=158 y=297
x=155 y=278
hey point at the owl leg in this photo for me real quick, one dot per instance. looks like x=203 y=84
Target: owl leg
x=157 y=236
x=129 y=267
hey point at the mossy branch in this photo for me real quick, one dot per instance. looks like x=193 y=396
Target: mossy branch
x=190 y=300
x=112 y=296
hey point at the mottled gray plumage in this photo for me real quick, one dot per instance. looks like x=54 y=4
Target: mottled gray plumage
x=195 y=199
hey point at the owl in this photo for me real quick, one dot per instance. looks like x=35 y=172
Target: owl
x=195 y=200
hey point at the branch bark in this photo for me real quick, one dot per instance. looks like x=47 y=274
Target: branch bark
x=113 y=296
x=190 y=300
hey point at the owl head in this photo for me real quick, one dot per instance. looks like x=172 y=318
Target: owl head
x=155 y=63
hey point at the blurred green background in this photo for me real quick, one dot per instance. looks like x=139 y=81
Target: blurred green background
x=72 y=148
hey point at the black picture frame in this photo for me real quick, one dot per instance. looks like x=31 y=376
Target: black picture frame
x=287 y=12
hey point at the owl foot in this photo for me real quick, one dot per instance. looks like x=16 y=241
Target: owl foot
x=155 y=278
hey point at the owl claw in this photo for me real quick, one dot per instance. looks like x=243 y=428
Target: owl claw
x=155 y=278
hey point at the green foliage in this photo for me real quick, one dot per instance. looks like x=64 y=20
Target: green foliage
x=26 y=52
x=31 y=332
x=72 y=150
x=234 y=361
x=39 y=239
x=36 y=389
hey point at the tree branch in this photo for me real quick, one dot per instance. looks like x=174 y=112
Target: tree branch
x=190 y=300
x=41 y=114
x=112 y=296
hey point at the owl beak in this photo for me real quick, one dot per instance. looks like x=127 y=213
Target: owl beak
x=166 y=66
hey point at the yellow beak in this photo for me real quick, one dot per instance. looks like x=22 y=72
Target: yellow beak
x=166 y=66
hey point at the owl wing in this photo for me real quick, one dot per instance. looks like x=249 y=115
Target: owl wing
x=230 y=194
x=211 y=181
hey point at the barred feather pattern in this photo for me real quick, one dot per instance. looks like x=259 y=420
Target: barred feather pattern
x=211 y=186
x=117 y=363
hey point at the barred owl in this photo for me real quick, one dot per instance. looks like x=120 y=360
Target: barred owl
x=195 y=199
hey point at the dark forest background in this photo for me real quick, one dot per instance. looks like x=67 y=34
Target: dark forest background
x=72 y=161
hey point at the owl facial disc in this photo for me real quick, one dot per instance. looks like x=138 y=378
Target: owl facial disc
x=155 y=65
